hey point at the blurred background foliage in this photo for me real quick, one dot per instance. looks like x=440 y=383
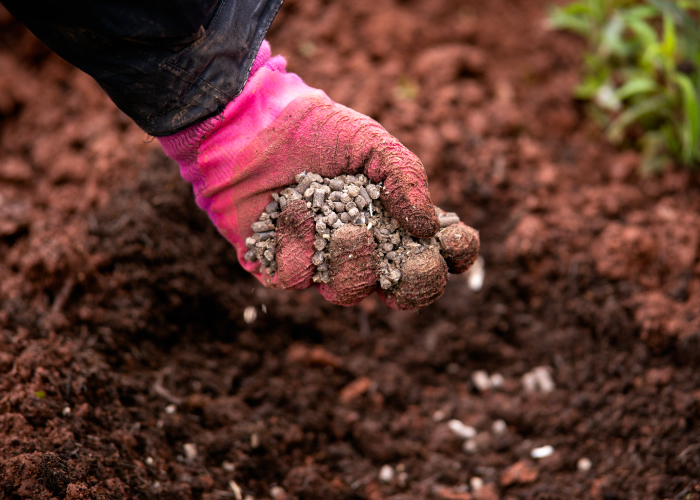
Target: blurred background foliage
x=641 y=73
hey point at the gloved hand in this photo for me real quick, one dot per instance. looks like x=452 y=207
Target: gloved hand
x=278 y=127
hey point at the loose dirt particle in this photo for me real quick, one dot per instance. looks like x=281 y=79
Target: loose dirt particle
x=354 y=389
x=522 y=472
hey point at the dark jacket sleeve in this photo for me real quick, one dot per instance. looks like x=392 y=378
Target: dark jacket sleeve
x=166 y=63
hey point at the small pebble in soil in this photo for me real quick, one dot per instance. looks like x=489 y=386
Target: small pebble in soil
x=481 y=380
x=439 y=415
x=497 y=380
x=499 y=427
x=401 y=476
x=250 y=314
x=66 y=411
x=228 y=466
x=539 y=379
x=386 y=474
x=461 y=430
x=584 y=464
x=170 y=409
x=190 y=450
x=343 y=200
x=476 y=274
x=476 y=483
x=254 y=440
x=542 y=452
x=277 y=492
x=150 y=461
x=470 y=446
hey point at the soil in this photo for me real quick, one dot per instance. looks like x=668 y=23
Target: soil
x=127 y=369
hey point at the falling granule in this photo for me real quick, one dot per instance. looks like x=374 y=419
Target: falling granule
x=542 y=451
x=475 y=275
x=250 y=314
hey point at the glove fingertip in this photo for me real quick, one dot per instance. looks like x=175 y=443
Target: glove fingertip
x=423 y=281
x=459 y=246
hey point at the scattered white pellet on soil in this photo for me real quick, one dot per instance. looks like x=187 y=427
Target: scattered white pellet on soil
x=228 y=466
x=542 y=451
x=497 y=380
x=263 y=307
x=462 y=430
x=237 y=493
x=150 y=461
x=250 y=314
x=190 y=451
x=254 y=440
x=386 y=474
x=499 y=427
x=402 y=479
x=476 y=483
x=584 y=464
x=277 y=492
x=476 y=274
x=66 y=411
x=470 y=446
x=481 y=380
x=439 y=415
x=170 y=409
x=539 y=379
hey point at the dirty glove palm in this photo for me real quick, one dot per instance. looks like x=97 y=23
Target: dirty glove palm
x=276 y=128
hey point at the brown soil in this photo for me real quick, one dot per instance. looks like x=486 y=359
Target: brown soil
x=121 y=310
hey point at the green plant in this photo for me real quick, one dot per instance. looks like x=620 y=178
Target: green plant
x=642 y=72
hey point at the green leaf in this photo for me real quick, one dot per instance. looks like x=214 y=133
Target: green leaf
x=616 y=129
x=637 y=85
x=559 y=19
x=654 y=153
x=40 y=394
x=690 y=132
x=643 y=30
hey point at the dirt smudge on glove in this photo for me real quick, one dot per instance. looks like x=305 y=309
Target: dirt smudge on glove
x=353 y=266
x=295 y=246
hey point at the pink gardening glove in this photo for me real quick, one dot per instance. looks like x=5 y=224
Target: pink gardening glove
x=278 y=127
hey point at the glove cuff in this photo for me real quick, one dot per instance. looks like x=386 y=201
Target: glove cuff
x=207 y=152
